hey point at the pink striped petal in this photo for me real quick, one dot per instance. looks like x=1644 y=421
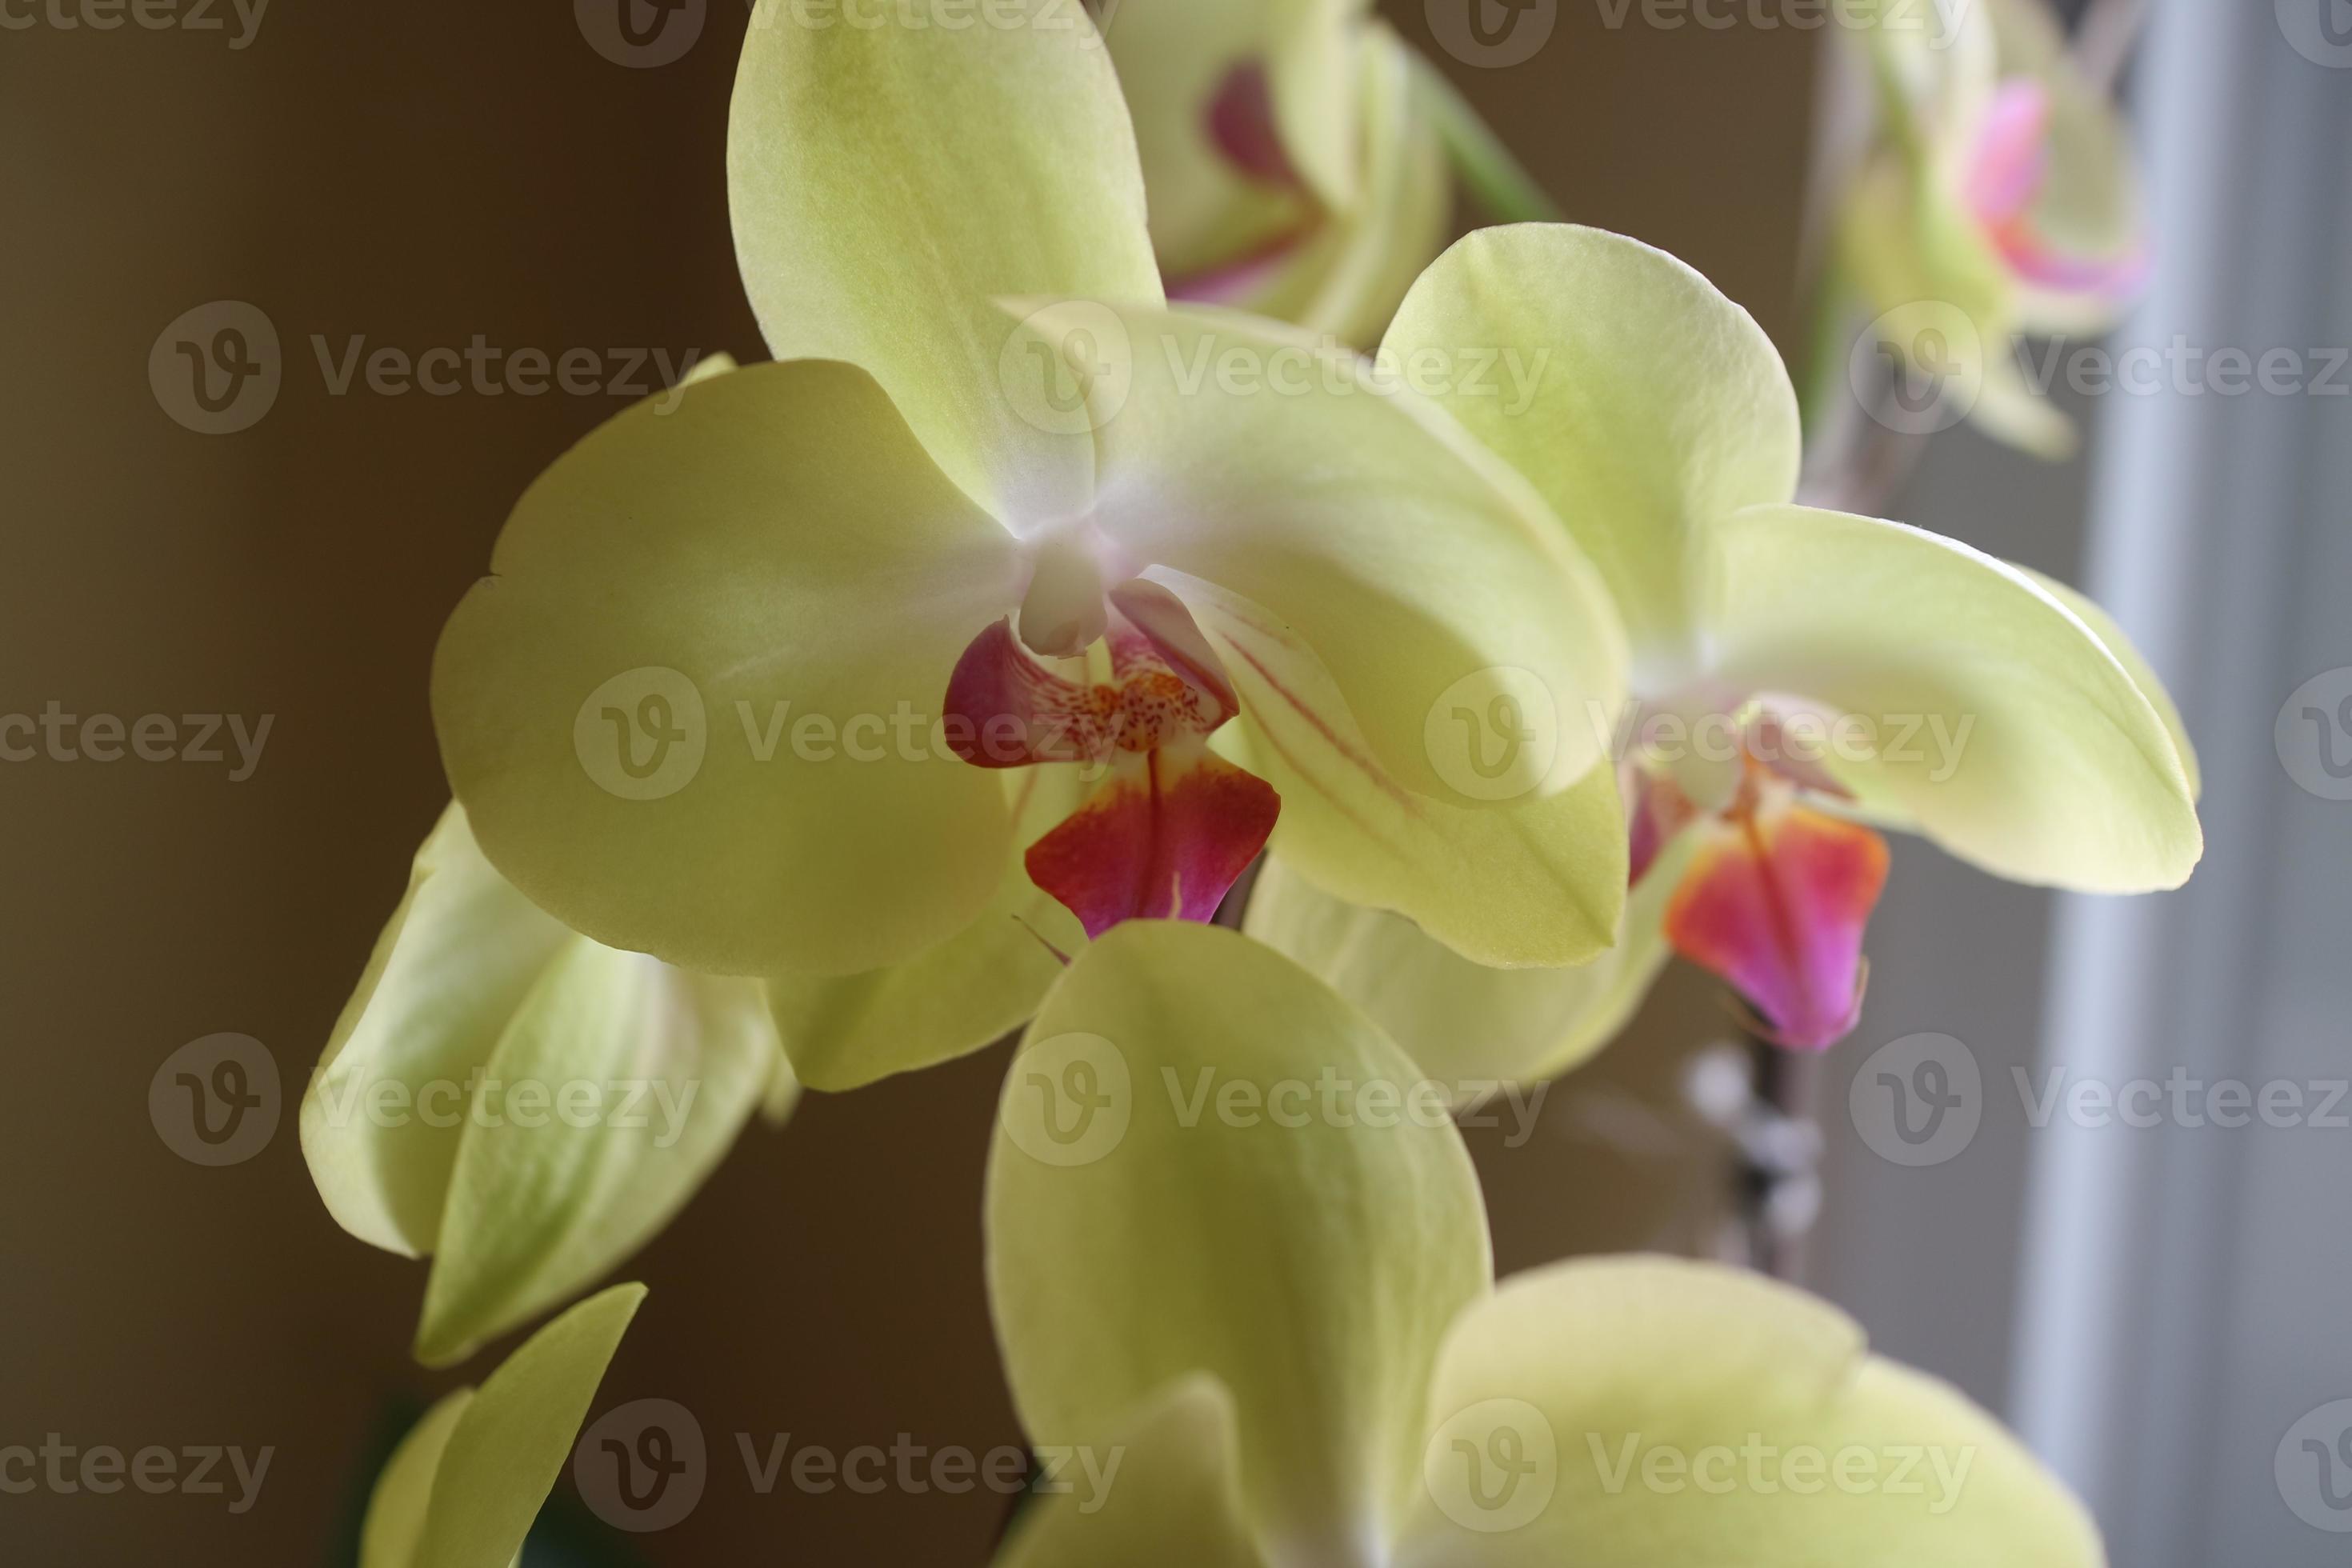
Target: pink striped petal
x=1164 y=839
x=1775 y=903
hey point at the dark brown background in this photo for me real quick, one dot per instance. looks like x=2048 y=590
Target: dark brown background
x=420 y=175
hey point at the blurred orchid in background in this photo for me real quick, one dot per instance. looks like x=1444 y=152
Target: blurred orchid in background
x=1300 y=158
x=2000 y=201
x=1799 y=675
x=1288 y=1328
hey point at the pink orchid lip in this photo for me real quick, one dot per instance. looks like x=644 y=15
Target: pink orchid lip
x=1776 y=896
x=2007 y=172
x=1173 y=826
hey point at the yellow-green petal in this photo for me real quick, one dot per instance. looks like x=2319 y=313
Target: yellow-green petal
x=1539 y=881
x=479 y=1467
x=618 y=1087
x=750 y=590
x=888 y=182
x=1673 y=1414
x=2116 y=642
x=403 y=1489
x=1157 y=1228
x=1652 y=404
x=1468 y=1025
x=1993 y=717
x=457 y=959
x=955 y=997
x=1173 y=1498
x=1369 y=526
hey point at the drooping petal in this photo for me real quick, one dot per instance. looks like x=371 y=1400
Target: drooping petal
x=617 y=1089
x=1660 y=1414
x=888 y=182
x=1538 y=882
x=1174 y=1498
x=1162 y=838
x=693 y=709
x=1207 y=1204
x=464 y=1486
x=456 y=960
x=1979 y=706
x=1774 y=901
x=954 y=997
x=1640 y=401
x=1468 y=1026
x=1405 y=556
x=403 y=1489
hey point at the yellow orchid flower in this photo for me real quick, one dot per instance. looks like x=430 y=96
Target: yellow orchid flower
x=1796 y=674
x=462 y=1489
x=1296 y=156
x=523 y=1105
x=1276 y=1311
x=721 y=698
x=2002 y=202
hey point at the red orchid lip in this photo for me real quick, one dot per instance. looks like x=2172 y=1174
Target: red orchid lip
x=1174 y=826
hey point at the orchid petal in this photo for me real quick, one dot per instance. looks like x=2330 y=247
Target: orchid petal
x=617 y=1089
x=1995 y=719
x=1547 y=877
x=456 y=960
x=1774 y=902
x=1678 y=1414
x=773 y=552
x=888 y=182
x=1162 y=838
x=2113 y=638
x=1308 y=1261
x=955 y=997
x=1654 y=404
x=1174 y=1499
x=1466 y=1024
x=502 y=1451
x=403 y=1487
x=1364 y=523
